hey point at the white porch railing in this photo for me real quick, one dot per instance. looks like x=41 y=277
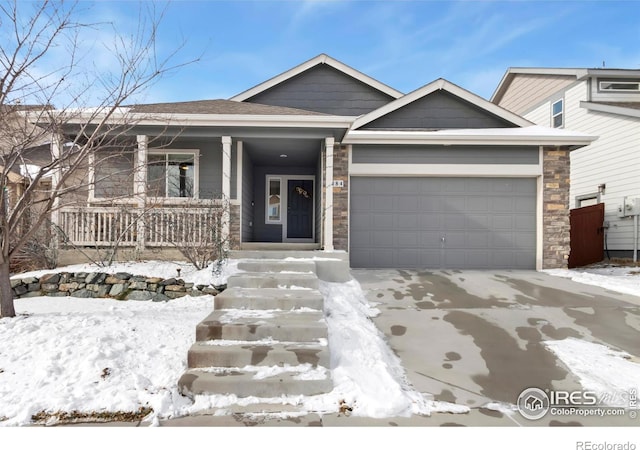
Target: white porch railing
x=131 y=226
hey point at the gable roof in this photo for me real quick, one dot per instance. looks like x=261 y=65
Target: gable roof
x=320 y=59
x=444 y=85
x=576 y=73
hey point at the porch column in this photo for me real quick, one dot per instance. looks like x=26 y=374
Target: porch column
x=328 y=196
x=56 y=176
x=140 y=187
x=226 y=186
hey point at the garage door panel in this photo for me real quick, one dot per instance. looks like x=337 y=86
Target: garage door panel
x=485 y=222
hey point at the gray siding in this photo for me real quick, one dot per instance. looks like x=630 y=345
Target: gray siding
x=438 y=154
x=270 y=232
x=248 y=218
x=234 y=172
x=326 y=90
x=438 y=110
x=113 y=173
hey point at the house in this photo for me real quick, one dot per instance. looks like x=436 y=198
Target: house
x=602 y=102
x=323 y=156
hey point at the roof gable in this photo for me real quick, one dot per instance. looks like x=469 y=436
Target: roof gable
x=439 y=105
x=325 y=85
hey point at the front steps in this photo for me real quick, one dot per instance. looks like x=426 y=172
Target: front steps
x=266 y=337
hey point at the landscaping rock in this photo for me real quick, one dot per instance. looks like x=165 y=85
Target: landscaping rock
x=117 y=289
x=168 y=282
x=122 y=276
x=15 y=283
x=113 y=280
x=49 y=287
x=174 y=288
x=33 y=287
x=139 y=285
x=68 y=287
x=160 y=298
x=29 y=280
x=50 y=278
x=140 y=295
x=83 y=293
x=20 y=289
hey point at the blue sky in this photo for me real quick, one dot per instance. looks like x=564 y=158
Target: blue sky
x=404 y=44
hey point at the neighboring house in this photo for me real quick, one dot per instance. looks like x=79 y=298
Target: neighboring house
x=601 y=102
x=325 y=157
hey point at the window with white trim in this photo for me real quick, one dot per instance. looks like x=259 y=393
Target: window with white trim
x=587 y=200
x=171 y=174
x=619 y=86
x=557 y=114
x=274 y=200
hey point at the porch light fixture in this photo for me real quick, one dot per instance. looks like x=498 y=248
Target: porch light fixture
x=283 y=156
x=601 y=188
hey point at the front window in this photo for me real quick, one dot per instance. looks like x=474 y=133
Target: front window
x=171 y=175
x=557 y=114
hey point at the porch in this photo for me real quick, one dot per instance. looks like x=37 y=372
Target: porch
x=252 y=193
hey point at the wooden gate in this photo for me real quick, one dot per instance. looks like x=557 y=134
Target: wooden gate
x=587 y=235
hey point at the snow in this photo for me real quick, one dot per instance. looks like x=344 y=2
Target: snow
x=600 y=369
x=625 y=280
x=66 y=354
x=96 y=355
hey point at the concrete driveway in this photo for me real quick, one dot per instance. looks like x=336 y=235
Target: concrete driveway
x=474 y=337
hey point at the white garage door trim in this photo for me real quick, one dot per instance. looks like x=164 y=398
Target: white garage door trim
x=395 y=170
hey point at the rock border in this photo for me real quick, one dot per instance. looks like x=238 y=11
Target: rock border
x=120 y=286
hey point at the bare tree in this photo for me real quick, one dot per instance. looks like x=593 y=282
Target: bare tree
x=42 y=62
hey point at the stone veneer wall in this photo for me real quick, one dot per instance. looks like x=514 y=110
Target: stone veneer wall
x=234 y=226
x=341 y=198
x=121 y=286
x=555 y=222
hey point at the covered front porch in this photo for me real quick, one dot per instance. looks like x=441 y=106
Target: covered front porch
x=255 y=185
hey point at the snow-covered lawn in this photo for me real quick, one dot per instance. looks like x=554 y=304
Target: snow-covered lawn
x=625 y=280
x=101 y=355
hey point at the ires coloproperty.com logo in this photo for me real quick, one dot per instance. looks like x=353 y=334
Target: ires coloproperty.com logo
x=534 y=403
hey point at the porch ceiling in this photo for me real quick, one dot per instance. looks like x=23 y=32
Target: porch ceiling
x=266 y=152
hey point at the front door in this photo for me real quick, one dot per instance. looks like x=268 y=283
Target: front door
x=300 y=206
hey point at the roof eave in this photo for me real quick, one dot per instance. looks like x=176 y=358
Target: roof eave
x=257 y=120
x=611 y=109
x=439 y=138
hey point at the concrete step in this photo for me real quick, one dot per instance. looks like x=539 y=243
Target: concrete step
x=274 y=280
x=258 y=354
x=279 y=253
x=268 y=298
x=274 y=265
x=243 y=383
x=247 y=325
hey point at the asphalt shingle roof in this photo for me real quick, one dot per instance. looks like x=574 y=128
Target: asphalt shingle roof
x=220 y=107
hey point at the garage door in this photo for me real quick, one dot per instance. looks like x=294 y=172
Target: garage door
x=465 y=223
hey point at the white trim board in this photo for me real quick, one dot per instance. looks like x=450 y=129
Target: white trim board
x=446 y=170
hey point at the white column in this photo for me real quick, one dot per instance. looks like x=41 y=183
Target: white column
x=56 y=176
x=239 y=161
x=226 y=185
x=140 y=186
x=328 y=207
